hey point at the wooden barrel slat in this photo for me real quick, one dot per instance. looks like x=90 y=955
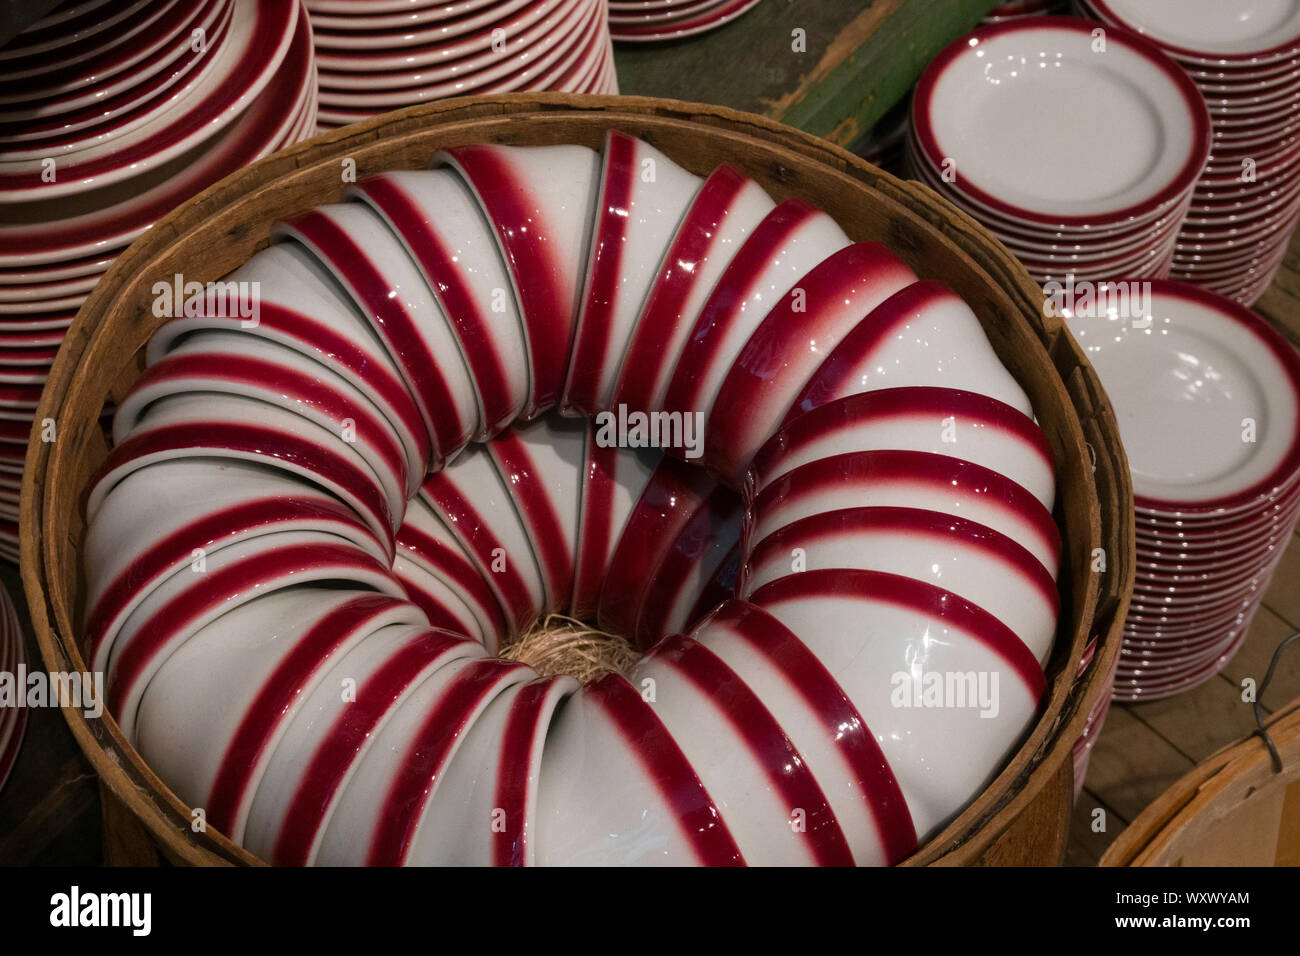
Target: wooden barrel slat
x=1233 y=809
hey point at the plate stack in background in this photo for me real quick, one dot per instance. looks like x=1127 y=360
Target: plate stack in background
x=381 y=55
x=13 y=720
x=112 y=114
x=1207 y=396
x=646 y=21
x=1006 y=124
x=1017 y=9
x=1245 y=57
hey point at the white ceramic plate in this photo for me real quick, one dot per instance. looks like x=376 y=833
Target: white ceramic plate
x=1203 y=368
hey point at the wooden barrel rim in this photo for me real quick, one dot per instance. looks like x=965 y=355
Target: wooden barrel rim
x=51 y=499
x=1228 y=775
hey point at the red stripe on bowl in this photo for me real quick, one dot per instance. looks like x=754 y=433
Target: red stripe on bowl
x=178 y=547
x=276 y=696
x=784 y=351
x=220 y=587
x=917 y=597
x=356 y=724
x=919 y=467
x=910 y=522
x=590 y=353
x=427 y=755
x=263 y=443
x=457 y=570
x=529 y=713
x=398 y=328
x=734 y=287
x=768 y=744
x=935 y=403
x=822 y=694
x=477 y=536
x=462 y=308
x=676 y=490
x=655 y=339
x=594 y=531
x=668 y=769
x=832 y=376
x=337 y=350
x=336 y=406
x=534 y=263
x=549 y=542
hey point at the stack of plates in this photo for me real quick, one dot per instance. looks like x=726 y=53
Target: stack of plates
x=379 y=55
x=1087 y=740
x=1020 y=123
x=1208 y=400
x=111 y=114
x=1018 y=9
x=885 y=144
x=13 y=720
x=1245 y=57
x=644 y=21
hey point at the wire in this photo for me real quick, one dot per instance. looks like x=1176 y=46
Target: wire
x=1258 y=706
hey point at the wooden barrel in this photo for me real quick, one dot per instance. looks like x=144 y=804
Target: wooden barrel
x=219 y=229
x=1234 y=809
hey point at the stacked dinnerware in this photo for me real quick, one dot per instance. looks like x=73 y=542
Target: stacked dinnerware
x=1208 y=400
x=1087 y=740
x=1245 y=57
x=13 y=719
x=379 y=56
x=1018 y=9
x=645 y=21
x=885 y=145
x=1011 y=124
x=842 y=569
x=110 y=116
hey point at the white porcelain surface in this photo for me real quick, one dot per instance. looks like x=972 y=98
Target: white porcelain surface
x=334 y=728
x=942 y=755
x=417 y=333
x=203 y=695
x=447 y=236
x=724 y=214
x=976 y=563
x=309 y=556
x=940 y=421
x=991 y=105
x=551 y=188
x=470 y=496
x=644 y=195
x=1197 y=371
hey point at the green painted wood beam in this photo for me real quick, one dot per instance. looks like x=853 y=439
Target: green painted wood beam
x=853 y=60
